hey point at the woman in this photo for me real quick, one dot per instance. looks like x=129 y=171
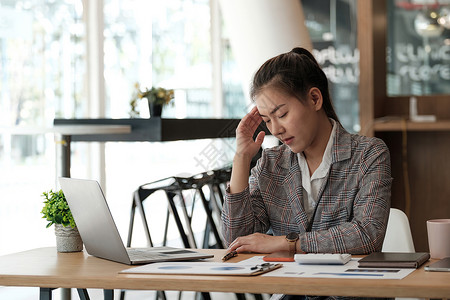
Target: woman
x=323 y=190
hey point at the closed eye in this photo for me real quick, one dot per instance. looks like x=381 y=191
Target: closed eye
x=283 y=115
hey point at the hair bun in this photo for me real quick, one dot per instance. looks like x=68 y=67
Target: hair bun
x=303 y=51
x=300 y=50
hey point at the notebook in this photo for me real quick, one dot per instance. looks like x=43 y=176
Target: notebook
x=394 y=260
x=99 y=232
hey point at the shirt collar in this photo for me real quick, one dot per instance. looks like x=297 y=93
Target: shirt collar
x=324 y=166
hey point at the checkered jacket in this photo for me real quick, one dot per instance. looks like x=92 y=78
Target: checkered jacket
x=353 y=207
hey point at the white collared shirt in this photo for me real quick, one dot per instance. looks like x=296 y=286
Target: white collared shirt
x=312 y=184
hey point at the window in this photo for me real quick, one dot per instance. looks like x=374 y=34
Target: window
x=418 y=52
x=42 y=65
x=160 y=43
x=333 y=33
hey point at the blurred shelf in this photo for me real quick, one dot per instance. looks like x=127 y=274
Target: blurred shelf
x=397 y=124
x=151 y=130
x=67 y=129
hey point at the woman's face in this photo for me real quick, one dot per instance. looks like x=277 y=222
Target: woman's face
x=293 y=122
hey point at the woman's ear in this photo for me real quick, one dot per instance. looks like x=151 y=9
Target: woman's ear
x=316 y=97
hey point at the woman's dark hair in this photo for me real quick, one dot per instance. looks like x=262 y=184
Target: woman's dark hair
x=294 y=73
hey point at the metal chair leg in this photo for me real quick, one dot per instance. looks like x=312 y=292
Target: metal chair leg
x=210 y=219
x=45 y=293
x=240 y=296
x=108 y=294
x=176 y=216
x=258 y=296
x=206 y=234
x=187 y=220
x=138 y=202
x=216 y=201
x=166 y=227
x=83 y=294
x=161 y=294
x=131 y=225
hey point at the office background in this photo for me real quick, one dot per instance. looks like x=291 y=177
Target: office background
x=81 y=59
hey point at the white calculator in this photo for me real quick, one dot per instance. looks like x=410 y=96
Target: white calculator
x=322 y=258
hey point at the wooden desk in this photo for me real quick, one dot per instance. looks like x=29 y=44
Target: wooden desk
x=46 y=268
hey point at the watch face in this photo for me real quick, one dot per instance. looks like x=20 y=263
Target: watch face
x=292 y=236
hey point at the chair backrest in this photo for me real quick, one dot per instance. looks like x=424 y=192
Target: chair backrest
x=398 y=234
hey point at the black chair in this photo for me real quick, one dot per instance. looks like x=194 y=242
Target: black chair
x=174 y=188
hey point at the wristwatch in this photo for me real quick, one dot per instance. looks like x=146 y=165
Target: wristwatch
x=292 y=238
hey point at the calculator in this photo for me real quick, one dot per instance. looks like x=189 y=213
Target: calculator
x=323 y=258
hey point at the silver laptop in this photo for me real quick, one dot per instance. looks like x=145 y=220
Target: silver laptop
x=99 y=232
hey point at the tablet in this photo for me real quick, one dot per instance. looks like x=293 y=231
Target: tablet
x=440 y=266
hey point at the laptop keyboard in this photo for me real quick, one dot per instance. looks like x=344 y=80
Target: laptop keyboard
x=141 y=254
x=136 y=254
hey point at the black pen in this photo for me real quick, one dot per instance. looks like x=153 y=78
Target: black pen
x=229 y=255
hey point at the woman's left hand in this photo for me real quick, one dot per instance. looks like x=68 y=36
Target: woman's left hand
x=259 y=243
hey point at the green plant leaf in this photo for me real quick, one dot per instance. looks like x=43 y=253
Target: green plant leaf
x=56 y=210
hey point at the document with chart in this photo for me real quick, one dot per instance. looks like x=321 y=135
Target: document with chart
x=350 y=270
x=204 y=268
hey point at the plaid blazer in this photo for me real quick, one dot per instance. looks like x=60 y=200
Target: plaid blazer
x=353 y=207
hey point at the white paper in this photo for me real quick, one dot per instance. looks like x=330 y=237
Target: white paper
x=349 y=270
x=196 y=268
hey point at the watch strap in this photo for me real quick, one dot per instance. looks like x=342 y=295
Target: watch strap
x=292 y=239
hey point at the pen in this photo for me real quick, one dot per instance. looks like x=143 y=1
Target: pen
x=229 y=255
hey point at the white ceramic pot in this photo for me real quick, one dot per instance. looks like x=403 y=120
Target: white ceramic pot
x=68 y=239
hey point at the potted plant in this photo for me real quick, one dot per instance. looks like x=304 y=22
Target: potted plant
x=157 y=97
x=57 y=211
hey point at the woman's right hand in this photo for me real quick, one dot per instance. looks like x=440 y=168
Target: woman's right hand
x=247 y=147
